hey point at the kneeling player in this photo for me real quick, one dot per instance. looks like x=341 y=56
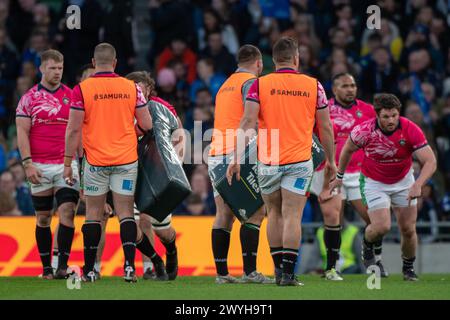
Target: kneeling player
x=389 y=141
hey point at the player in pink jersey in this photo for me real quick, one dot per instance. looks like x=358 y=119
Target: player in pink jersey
x=389 y=142
x=41 y=119
x=346 y=112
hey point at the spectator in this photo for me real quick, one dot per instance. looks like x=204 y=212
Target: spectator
x=166 y=86
x=77 y=45
x=308 y=63
x=350 y=252
x=390 y=38
x=200 y=185
x=9 y=69
x=212 y=22
x=207 y=78
x=3 y=152
x=8 y=205
x=419 y=71
x=8 y=189
x=419 y=38
x=170 y=20
x=381 y=74
x=224 y=61
x=373 y=43
x=427 y=206
x=178 y=49
x=23 y=195
x=339 y=40
x=414 y=113
x=30 y=71
x=305 y=33
x=23 y=84
x=192 y=206
x=20 y=22
x=203 y=99
x=118 y=31
x=182 y=86
x=38 y=44
x=43 y=22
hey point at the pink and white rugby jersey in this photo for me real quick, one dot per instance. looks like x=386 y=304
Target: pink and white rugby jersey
x=344 y=120
x=388 y=157
x=49 y=113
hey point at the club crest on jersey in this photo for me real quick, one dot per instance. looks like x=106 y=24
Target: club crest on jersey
x=65 y=100
x=359 y=113
x=402 y=142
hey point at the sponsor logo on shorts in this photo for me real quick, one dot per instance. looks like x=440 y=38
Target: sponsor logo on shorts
x=300 y=183
x=91 y=188
x=127 y=185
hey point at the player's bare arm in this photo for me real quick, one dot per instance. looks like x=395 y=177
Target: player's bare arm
x=427 y=160
x=23 y=140
x=144 y=119
x=73 y=138
x=344 y=159
x=327 y=139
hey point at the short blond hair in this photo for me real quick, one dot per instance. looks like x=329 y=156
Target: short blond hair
x=52 y=54
x=104 y=54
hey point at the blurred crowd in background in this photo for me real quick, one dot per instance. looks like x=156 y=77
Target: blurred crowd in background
x=192 y=50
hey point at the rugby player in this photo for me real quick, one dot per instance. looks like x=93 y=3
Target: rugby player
x=41 y=119
x=103 y=111
x=163 y=229
x=229 y=108
x=387 y=179
x=286 y=105
x=346 y=112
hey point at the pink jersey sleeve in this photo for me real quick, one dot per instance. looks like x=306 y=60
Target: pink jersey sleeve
x=77 y=99
x=140 y=98
x=322 y=101
x=360 y=134
x=416 y=136
x=253 y=92
x=24 y=108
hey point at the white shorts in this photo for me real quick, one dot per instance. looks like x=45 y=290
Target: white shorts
x=214 y=161
x=377 y=195
x=156 y=224
x=292 y=177
x=52 y=177
x=119 y=179
x=350 y=185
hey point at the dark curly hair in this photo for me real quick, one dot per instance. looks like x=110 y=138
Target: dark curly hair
x=386 y=101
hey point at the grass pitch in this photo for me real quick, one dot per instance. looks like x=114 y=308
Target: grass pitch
x=354 y=287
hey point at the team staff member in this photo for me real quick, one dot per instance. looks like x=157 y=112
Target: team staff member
x=286 y=105
x=389 y=142
x=103 y=110
x=346 y=112
x=41 y=119
x=229 y=109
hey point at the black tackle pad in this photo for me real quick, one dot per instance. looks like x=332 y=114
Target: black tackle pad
x=243 y=197
x=318 y=153
x=161 y=183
